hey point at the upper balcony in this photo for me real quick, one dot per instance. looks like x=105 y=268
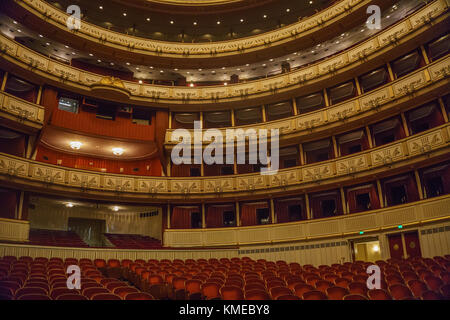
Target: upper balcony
x=301 y=34
x=420 y=27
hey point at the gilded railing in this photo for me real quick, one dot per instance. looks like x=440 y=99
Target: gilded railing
x=21 y=110
x=363 y=164
x=378 y=221
x=162 y=95
x=196 y=50
x=436 y=72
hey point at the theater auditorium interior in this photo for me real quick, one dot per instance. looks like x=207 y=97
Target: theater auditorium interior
x=224 y=150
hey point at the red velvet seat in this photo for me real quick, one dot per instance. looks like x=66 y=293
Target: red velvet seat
x=29 y=290
x=400 y=291
x=417 y=287
x=431 y=295
x=231 y=293
x=257 y=294
x=378 y=294
x=123 y=291
x=105 y=296
x=33 y=297
x=336 y=293
x=138 y=296
x=358 y=288
x=354 y=297
x=434 y=283
x=279 y=291
x=71 y=296
x=90 y=292
x=314 y=295
x=302 y=288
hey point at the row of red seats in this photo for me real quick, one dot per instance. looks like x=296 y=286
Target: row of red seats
x=238 y=278
x=56 y=238
x=426 y=279
x=46 y=279
x=133 y=241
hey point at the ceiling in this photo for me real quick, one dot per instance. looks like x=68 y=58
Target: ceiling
x=59 y=139
x=148 y=73
x=188 y=26
x=97 y=206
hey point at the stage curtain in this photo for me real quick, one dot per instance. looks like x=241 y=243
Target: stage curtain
x=181 y=217
x=248 y=214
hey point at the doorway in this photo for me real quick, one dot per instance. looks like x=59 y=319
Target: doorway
x=366 y=249
x=404 y=245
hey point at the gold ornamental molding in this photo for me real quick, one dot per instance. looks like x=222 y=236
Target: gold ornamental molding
x=111 y=86
x=416 y=214
x=376 y=103
x=392 y=158
x=326 y=21
x=378 y=47
x=21 y=111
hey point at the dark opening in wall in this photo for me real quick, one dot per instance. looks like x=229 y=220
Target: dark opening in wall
x=262 y=215
x=196 y=220
x=229 y=218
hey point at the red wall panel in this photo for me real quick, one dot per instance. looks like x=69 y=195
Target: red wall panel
x=95 y=164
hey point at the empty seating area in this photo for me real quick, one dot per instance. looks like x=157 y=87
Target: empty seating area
x=25 y=278
x=46 y=279
x=133 y=241
x=56 y=238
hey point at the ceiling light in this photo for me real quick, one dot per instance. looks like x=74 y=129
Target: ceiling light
x=310 y=2
x=140 y=81
x=41 y=36
x=242 y=20
x=388 y=17
x=66 y=46
x=99 y=60
x=265 y=16
x=124 y=14
x=171 y=21
x=248 y=64
x=91 y=55
x=191 y=85
x=271 y=60
x=176 y=69
x=115 y=208
x=75 y=145
x=73 y=53
x=218 y=22
x=148 y=19
x=128 y=63
x=18 y=30
x=199 y=69
x=101 y=7
x=223 y=68
x=48 y=43
x=117 y=151
x=225 y=83
x=195 y=23
x=137 y=68
x=287 y=10
x=264 y=65
x=15 y=22
x=69 y=204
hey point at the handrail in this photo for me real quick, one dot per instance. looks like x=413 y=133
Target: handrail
x=158 y=95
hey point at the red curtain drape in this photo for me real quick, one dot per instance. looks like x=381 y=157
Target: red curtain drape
x=248 y=213
x=49 y=100
x=214 y=215
x=282 y=210
x=8 y=201
x=14 y=146
x=373 y=194
x=181 y=217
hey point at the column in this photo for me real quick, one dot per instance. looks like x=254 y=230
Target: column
x=405 y=124
x=5 y=78
x=272 y=211
x=308 y=209
x=168 y=215
x=380 y=194
x=238 y=220
x=419 y=184
x=344 y=202
x=203 y=216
